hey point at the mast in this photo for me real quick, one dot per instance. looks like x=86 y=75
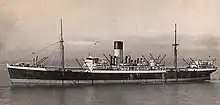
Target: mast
x=62 y=45
x=175 y=52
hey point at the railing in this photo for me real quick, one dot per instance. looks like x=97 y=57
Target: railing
x=130 y=68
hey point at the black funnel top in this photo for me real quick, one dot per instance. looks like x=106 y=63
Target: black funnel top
x=118 y=45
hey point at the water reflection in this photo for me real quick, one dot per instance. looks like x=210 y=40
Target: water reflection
x=4 y=95
x=115 y=94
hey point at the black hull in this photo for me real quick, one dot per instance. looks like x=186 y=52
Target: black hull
x=69 y=75
x=170 y=76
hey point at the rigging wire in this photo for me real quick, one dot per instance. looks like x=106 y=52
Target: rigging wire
x=51 y=56
x=56 y=57
x=34 y=53
x=47 y=47
x=68 y=48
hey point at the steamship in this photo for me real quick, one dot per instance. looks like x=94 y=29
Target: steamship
x=110 y=69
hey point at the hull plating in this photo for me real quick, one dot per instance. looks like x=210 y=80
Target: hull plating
x=75 y=77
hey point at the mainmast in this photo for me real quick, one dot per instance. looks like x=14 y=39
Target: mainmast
x=62 y=45
x=175 y=52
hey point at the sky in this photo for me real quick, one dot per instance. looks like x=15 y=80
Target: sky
x=145 y=26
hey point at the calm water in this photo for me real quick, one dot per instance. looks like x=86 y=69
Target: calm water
x=112 y=94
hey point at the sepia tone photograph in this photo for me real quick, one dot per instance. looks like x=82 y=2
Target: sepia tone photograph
x=109 y=52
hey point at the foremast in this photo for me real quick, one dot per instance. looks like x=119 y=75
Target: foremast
x=62 y=63
x=175 y=52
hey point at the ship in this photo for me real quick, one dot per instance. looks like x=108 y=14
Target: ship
x=115 y=68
